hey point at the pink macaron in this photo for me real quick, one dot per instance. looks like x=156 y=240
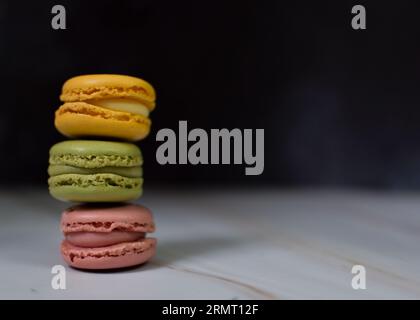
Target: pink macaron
x=107 y=237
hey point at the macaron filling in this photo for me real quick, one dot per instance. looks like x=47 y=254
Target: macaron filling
x=121 y=104
x=102 y=239
x=129 y=172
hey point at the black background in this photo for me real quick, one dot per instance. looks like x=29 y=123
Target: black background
x=339 y=107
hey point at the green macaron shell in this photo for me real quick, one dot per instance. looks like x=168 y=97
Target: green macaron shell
x=131 y=172
x=95 y=154
x=101 y=187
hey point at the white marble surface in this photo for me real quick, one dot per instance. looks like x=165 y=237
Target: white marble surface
x=229 y=244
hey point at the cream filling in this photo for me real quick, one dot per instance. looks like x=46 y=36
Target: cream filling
x=102 y=239
x=121 y=104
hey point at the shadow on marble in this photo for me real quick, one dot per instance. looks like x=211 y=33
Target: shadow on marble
x=170 y=251
x=139 y=268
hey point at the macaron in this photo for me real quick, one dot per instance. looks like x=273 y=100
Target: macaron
x=105 y=105
x=107 y=237
x=95 y=171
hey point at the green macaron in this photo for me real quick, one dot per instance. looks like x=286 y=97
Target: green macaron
x=95 y=171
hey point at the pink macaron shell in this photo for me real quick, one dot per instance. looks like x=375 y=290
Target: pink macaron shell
x=120 y=255
x=98 y=218
x=102 y=239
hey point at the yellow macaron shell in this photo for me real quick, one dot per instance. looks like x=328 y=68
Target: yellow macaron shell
x=99 y=86
x=81 y=119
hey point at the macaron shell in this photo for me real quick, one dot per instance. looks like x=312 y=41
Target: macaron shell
x=107 y=218
x=98 y=86
x=102 y=239
x=80 y=119
x=121 y=255
x=95 y=194
x=85 y=188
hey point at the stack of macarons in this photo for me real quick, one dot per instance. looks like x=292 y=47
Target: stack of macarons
x=101 y=170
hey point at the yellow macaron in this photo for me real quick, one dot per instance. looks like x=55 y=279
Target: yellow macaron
x=105 y=105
